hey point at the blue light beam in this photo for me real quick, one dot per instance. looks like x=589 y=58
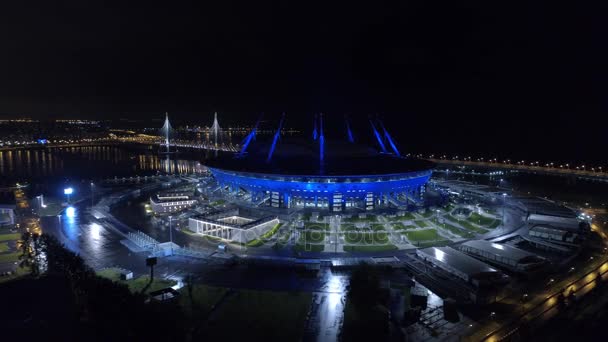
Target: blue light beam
x=351 y=138
x=321 y=139
x=249 y=137
x=378 y=137
x=390 y=140
x=275 y=139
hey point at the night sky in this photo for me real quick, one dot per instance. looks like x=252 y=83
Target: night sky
x=518 y=79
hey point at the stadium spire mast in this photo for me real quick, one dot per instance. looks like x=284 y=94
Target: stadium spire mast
x=275 y=139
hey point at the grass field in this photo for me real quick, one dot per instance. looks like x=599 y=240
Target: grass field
x=136 y=284
x=355 y=219
x=421 y=224
x=264 y=315
x=370 y=248
x=425 y=244
x=347 y=227
x=366 y=238
x=405 y=216
x=483 y=220
x=468 y=225
x=260 y=241
x=9 y=257
x=377 y=226
x=401 y=226
x=10 y=237
x=312 y=237
x=455 y=230
x=4 y=247
x=203 y=298
x=428 y=213
x=422 y=235
x=316 y=226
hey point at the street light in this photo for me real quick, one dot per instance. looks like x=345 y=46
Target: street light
x=504 y=204
x=170 y=234
x=92 y=193
x=68 y=192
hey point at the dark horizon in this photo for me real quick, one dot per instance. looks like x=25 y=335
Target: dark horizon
x=523 y=81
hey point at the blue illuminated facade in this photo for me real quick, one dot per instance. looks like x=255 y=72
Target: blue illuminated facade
x=335 y=193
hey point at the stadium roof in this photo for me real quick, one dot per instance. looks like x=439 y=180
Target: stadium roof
x=341 y=159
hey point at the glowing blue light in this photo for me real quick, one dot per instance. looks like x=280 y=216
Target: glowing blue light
x=390 y=140
x=43 y=141
x=70 y=212
x=351 y=138
x=275 y=139
x=378 y=137
x=321 y=139
x=68 y=191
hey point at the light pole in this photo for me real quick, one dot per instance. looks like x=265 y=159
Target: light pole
x=170 y=234
x=68 y=192
x=92 y=194
x=504 y=204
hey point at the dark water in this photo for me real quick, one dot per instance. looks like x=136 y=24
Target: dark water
x=48 y=170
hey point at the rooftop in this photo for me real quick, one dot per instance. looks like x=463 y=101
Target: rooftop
x=458 y=260
x=500 y=250
x=341 y=159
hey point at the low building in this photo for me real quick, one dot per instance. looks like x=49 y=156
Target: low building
x=461 y=265
x=172 y=201
x=507 y=256
x=554 y=234
x=232 y=225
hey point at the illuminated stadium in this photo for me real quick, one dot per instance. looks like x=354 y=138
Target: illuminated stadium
x=332 y=175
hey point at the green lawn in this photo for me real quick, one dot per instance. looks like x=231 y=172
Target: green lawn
x=425 y=244
x=377 y=226
x=203 y=298
x=366 y=237
x=9 y=257
x=312 y=237
x=368 y=218
x=401 y=226
x=263 y=315
x=480 y=220
x=260 y=241
x=422 y=235
x=421 y=224
x=456 y=230
x=347 y=227
x=19 y=272
x=4 y=247
x=468 y=225
x=299 y=247
x=405 y=216
x=10 y=237
x=136 y=284
x=370 y=248
x=316 y=225
x=428 y=213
